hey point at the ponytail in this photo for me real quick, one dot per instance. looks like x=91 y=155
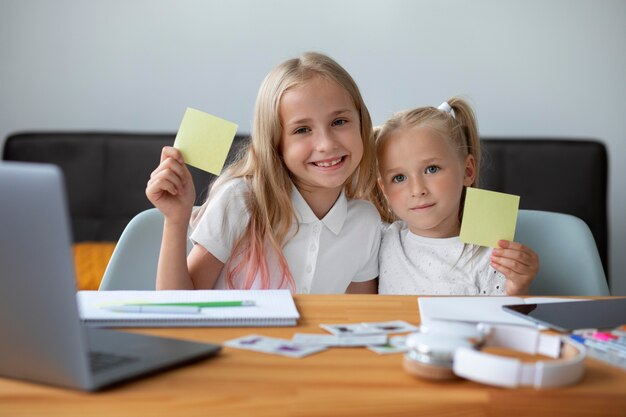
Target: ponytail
x=466 y=131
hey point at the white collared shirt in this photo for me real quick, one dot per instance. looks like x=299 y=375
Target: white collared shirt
x=324 y=256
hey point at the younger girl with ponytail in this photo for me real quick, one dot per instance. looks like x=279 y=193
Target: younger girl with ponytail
x=426 y=158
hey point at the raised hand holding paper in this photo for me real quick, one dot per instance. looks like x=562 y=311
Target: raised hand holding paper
x=488 y=216
x=204 y=140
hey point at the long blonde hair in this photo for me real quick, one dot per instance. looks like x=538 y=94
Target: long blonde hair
x=269 y=183
x=459 y=126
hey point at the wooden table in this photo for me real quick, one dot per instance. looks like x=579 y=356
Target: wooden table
x=337 y=382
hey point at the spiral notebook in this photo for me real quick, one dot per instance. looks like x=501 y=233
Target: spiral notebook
x=270 y=308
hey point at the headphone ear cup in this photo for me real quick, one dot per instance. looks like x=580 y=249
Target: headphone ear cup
x=424 y=370
x=431 y=354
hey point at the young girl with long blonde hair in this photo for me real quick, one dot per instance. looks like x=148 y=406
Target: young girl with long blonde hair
x=289 y=213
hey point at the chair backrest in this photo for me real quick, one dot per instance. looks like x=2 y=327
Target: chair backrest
x=569 y=263
x=133 y=264
x=542 y=162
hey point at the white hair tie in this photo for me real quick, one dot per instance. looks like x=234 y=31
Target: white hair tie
x=445 y=107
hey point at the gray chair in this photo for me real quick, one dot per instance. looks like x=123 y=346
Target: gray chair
x=569 y=263
x=133 y=264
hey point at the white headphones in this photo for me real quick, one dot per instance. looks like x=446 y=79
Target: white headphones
x=443 y=350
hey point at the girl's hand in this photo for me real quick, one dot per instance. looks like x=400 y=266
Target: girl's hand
x=170 y=187
x=518 y=263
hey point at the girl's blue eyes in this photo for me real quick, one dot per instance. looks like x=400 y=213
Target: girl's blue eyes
x=429 y=170
x=302 y=130
x=398 y=178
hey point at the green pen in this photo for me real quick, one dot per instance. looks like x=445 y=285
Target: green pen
x=201 y=304
x=176 y=308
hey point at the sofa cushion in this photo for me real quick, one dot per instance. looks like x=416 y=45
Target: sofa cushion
x=105 y=174
x=90 y=262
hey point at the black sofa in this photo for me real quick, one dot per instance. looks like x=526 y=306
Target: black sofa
x=106 y=174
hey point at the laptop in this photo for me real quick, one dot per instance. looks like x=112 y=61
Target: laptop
x=42 y=338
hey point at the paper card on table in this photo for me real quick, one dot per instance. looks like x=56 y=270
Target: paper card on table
x=395 y=326
x=273 y=346
x=396 y=344
x=204 y=140
x=350 y=329
x=488 y=216
x=339 y=341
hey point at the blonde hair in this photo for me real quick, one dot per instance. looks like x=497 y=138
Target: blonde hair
x=269 y=182
x=459 y=126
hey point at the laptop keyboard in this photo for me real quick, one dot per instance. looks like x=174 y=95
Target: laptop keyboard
x=101 y=361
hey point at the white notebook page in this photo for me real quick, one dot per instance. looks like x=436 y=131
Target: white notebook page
x=271 y=307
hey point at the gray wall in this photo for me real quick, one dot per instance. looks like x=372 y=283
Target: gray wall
x=531 y=68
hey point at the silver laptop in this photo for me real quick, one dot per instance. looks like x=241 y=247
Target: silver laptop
x=41 y=335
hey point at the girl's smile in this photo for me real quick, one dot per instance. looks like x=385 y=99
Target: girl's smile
x=329 y=163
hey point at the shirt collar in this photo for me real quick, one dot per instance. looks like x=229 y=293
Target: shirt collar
x=334 y=219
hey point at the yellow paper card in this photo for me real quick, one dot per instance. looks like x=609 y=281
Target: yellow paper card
x=488 y=216
x=204 y=140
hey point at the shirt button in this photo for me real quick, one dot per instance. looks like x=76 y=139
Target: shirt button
x=309 y=268
x=313 y=247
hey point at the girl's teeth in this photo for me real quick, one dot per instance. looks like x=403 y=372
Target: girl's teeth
x=328 y=164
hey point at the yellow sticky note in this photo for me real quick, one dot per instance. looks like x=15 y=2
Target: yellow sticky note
x=204 y=140
x=488 y=216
